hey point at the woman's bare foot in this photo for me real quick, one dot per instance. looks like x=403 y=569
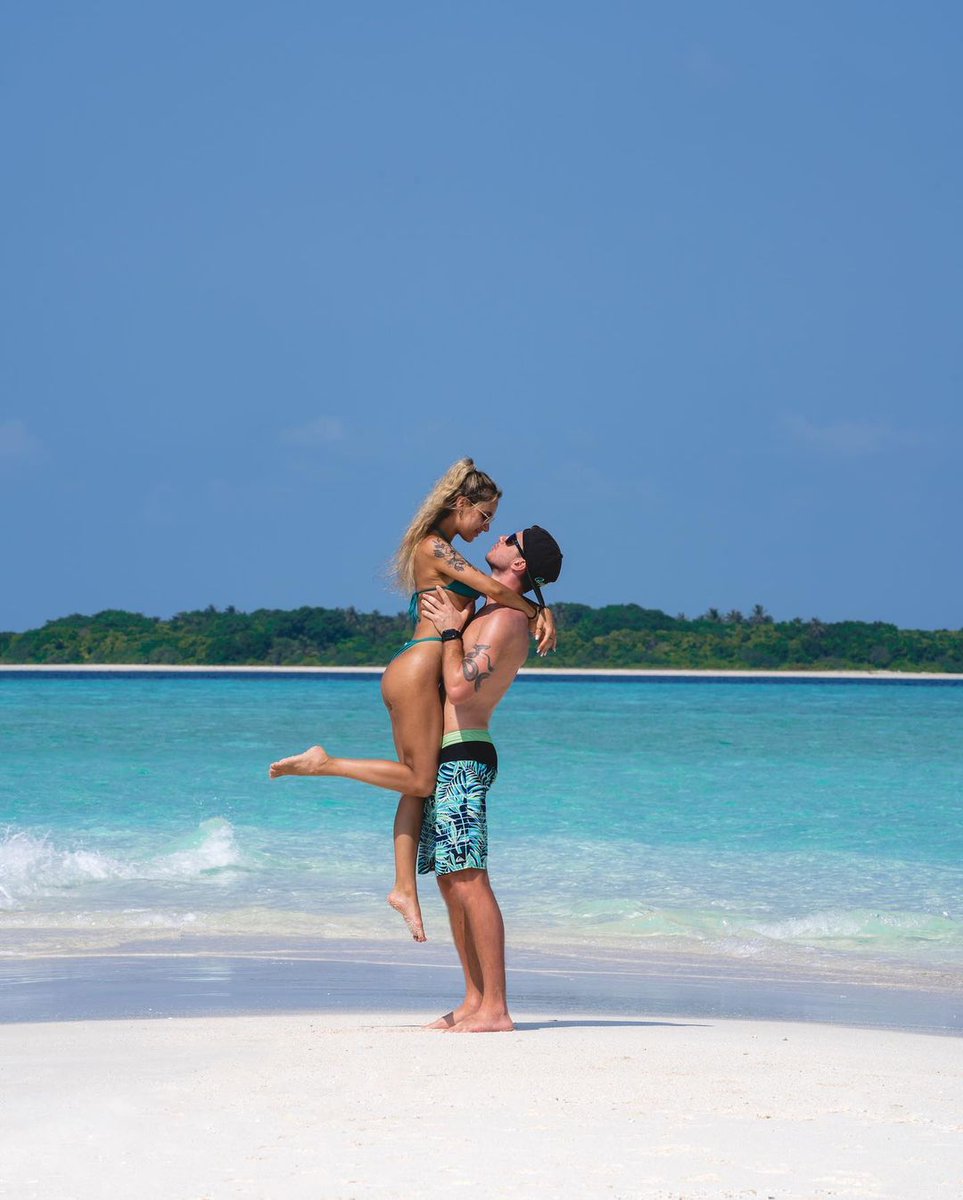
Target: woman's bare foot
x=311 y=762
x=407 y=904
x=452 y=1018
x=479 y=1023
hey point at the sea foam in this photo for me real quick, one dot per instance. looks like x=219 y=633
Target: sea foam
x=34 y=865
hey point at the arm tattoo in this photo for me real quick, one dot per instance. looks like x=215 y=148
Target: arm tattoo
x=442 y=549
x=474 y=671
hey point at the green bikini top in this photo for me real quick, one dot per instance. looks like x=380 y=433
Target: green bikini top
x=460 y=589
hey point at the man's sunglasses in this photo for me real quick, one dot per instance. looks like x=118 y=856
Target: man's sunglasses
x=512 y=540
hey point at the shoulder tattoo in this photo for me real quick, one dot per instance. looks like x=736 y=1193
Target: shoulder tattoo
x=442 y=549
x=474 y=670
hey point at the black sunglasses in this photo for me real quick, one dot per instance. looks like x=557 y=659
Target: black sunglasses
x=512 y=540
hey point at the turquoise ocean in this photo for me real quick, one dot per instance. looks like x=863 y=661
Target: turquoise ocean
x=802 y=825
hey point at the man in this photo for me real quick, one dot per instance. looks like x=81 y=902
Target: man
x=480 y=659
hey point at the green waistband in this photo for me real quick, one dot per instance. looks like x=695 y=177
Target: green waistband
x=466 y=735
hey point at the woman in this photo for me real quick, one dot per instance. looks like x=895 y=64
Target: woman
x=462 y=503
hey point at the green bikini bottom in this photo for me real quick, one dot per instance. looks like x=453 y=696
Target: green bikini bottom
x=413 y=642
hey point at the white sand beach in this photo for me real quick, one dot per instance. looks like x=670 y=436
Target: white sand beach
x=347 y=1106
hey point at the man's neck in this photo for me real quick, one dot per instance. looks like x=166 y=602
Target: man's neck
x=509 y=579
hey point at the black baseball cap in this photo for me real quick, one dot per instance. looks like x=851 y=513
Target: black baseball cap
x=543 y=558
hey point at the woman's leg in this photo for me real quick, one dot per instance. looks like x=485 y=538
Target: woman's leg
x=403 y=897
x=410 y=690
x=417 y=731
x=379 y=772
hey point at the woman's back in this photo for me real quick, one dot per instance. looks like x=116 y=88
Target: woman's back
x=436 y=561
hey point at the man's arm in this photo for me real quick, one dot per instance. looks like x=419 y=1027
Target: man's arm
x=449 y=563
x=498 y=650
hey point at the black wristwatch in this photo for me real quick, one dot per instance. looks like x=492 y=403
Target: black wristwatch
x=451 y=635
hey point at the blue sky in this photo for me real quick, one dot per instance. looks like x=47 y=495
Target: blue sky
x=686 y=280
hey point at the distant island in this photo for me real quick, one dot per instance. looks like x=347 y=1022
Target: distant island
x=617 y=635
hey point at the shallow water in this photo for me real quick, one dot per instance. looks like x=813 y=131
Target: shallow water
x=798 y=825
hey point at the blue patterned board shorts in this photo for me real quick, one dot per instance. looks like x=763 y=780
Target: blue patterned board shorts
x=454 y=828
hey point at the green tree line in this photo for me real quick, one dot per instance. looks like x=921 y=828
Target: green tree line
x=617 y=635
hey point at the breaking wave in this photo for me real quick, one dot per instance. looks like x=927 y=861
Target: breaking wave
x=34 y=865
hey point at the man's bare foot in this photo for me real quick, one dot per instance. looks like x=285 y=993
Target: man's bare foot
x=407 y=904
x=452 y=1018
x=479 y=1023
x=311 y=762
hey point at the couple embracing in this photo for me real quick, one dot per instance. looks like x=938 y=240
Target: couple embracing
x=446 y=757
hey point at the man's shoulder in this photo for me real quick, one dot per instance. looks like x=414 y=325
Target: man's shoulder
x=496 y=622
x=501 y=616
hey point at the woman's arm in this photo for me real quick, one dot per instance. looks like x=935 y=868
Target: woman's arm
x=451 y=565
x=543 y=630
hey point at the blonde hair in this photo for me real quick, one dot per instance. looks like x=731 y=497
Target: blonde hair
x=461 y=479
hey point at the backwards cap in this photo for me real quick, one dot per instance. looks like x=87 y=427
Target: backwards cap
x=543 y=557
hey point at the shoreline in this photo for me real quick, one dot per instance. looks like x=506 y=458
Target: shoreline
x=220 y=977
x=558 y=673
